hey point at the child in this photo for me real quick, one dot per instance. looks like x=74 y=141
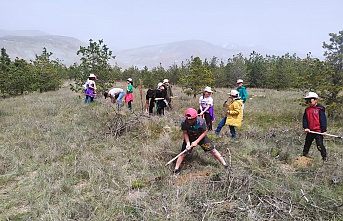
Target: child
x=150 y=101
x=234 y=114
x=243 y=94
x=90 y=90
x=314 y=119
x=195 y=133
x=160 y=99
x=116 y=95
x=129 y=95
x=169 y=91
x=206 y=107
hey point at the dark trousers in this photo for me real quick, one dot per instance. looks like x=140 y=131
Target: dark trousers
x=151 y=106
x=208 y=120
x=319 y=141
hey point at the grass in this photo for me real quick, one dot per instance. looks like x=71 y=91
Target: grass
x=61 y=159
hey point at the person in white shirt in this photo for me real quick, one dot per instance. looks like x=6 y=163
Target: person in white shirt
x=206 y=107
x=90 y=90
x=116 y=95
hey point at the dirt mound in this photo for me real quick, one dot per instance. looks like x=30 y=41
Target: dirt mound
x=303 y=161
x=193 y=176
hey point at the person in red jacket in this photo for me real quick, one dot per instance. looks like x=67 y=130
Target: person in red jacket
x=314 y=119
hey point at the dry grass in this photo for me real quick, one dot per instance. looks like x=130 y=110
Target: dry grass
x=60 y=161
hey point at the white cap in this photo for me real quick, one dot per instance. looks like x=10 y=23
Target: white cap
x=234 y=93
x=208 y=89
x=165 y=81
x=159 y=85
x=239 y=81
x=129 y=79
x=92 y=76
x=311 y=95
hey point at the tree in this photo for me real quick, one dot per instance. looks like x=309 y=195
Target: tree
x=326 y=77
x=95 y=60
x=197 y=78
x=256 y=70
x=47 y=72
x=236 y=68
x=5 y=66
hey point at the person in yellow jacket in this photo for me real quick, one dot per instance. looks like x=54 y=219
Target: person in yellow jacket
x=235 y=112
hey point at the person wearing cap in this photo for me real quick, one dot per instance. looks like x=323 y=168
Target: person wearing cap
x=235 y=115
x=129 y=95
x=90 y=90
x=169 y=91
x=195 y=133
x=314 y=120
x=116 y=95
x=243 y=93
x=160 y=99
x=206 y=107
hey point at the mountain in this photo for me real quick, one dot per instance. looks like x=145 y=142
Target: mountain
x=26 y=44
x=27 y=47
x=168 y=54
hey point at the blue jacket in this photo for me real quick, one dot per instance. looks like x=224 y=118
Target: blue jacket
x=243 y=94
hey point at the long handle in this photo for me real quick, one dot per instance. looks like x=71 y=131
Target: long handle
x=314 y=132
x=184 y=151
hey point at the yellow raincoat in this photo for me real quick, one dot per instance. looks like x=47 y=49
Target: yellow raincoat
x=234 y=118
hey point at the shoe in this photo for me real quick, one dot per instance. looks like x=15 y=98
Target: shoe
x=325 y=159
x=216 y=133
x=226 y=166
x=176 y=171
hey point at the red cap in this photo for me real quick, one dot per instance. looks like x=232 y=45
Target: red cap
x=191 y=113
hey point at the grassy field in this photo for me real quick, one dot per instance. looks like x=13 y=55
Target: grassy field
x=64 y=160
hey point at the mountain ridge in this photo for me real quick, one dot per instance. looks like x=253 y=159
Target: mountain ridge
x=26 y=44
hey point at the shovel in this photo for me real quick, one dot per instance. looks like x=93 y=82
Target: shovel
x=326 y=134
x=184 y=151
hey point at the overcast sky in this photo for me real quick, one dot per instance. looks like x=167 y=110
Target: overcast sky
x=287 y=25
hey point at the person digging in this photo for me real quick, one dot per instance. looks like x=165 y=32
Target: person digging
x=195 y=133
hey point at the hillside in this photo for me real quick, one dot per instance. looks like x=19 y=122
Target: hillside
x=27 y=47
x=26 y=44
x=64 y=160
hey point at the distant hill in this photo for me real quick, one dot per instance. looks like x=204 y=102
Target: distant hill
x=27 y=47
x=26 y=44
x=167 y=54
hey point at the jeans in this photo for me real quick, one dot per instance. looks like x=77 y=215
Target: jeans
x=232 y=131
x=220 y=125
x=120 y=97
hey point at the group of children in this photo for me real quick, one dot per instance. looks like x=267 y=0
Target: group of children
x=161 y=97
x=195 y=127
x=196 y=124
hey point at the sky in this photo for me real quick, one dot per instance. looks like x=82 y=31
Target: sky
x=299 y=26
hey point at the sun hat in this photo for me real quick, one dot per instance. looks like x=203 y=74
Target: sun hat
x=311 y=95
x=165 y=81
x=234 y=93
x=239 y=81
x=191 y=113
x=208 y=89
x=159 y=85
x=129 y=79
x=92 y=76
